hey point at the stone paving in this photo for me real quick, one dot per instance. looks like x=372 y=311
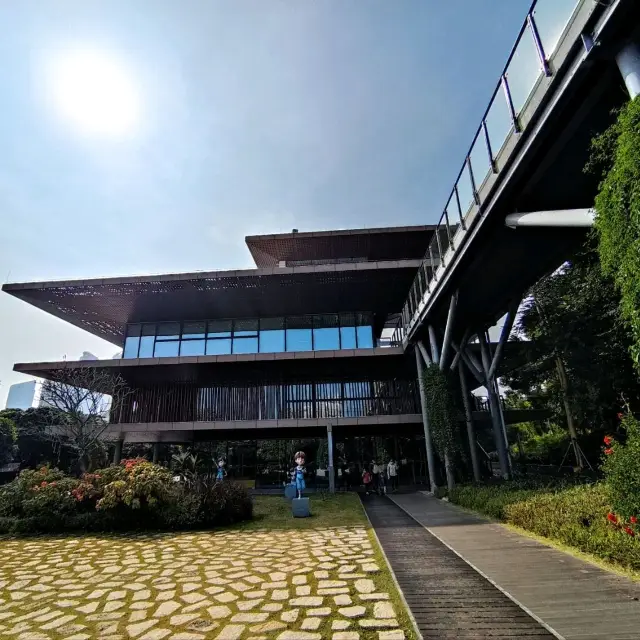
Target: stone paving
x=295 y=585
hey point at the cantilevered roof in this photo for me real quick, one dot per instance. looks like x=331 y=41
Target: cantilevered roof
x=349 y=245
x=104 y=306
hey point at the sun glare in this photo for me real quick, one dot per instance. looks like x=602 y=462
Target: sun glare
x=94 y=92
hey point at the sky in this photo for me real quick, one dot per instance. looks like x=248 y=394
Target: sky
x=219 y=119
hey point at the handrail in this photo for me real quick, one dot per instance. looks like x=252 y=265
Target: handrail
x=444 y=237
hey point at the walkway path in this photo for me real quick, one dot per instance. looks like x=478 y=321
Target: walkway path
x=447 y=597
x=578 y=600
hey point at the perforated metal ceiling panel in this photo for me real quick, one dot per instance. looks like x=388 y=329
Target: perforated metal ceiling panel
x=104 y=306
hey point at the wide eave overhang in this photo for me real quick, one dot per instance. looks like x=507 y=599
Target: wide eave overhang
x=346 y=245
x=104 y=306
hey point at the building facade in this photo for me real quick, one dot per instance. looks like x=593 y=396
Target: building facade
x=23 y=395
x=303 y=351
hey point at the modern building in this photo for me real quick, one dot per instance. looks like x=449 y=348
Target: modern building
x=23 y=395
x=304 y=350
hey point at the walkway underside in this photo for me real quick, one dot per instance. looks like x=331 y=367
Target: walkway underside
x=447 y=597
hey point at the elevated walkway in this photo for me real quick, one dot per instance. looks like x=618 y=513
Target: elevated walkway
x=575 y=599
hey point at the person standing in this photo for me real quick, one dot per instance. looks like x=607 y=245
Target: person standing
x=392 y=472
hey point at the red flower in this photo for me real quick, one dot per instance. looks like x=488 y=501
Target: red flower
x=620 y=416
x=608 y=440
x=629 y=531
x=608 y=452
x=43 y=484
x=633 y=519
x=611 y=517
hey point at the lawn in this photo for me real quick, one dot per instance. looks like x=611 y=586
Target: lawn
x=273 y=577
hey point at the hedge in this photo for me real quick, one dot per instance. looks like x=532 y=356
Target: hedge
x=577 y=516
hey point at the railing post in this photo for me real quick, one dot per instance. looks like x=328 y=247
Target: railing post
x=509 y=99
x=544 y=63
x=487 y=142
x=474 y=189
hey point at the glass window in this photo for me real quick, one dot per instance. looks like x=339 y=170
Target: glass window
x=326 y=338
x=193 y=330
x=168 y=331
x=245 y=345
x=219 y=329
x=365 y=337
x=326 y=334
x=299 y=334
x=147 y=340
x=219 y=347
x=131 y=345
x=166 y=349
x=347 y=337
x=271 y=335
x=192 y=348
x=245 y=327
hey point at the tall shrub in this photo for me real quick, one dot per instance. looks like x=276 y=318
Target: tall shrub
x=617 y=154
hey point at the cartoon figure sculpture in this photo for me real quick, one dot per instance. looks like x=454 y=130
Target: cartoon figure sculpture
x=297 y=476
x=221 y=470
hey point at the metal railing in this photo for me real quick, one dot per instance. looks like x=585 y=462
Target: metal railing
x=528 y=61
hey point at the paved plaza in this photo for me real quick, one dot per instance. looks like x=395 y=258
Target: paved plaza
x=234 y=585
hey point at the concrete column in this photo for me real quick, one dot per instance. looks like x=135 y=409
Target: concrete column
x=629 y=64
x=156 y=452
x=494 y=406
x=471 y=432
x=117 y=453
x=332 y=477
x=425 y=423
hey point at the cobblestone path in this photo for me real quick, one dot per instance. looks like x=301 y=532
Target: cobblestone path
x=297 y=585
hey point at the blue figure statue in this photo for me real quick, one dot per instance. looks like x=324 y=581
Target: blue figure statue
x=298 y=473
x=221 y=470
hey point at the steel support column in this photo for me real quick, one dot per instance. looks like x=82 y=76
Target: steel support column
x=331 y=470
x=431 y=468
x=446 y=342
x=117 y=452
x=628 y=60
x=156 y=452
x=433 y=341
x=471 y=432
x=494 y=406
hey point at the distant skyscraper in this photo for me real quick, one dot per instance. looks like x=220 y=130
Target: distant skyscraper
x=22 y=395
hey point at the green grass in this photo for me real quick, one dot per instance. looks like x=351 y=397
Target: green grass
x=274 y=512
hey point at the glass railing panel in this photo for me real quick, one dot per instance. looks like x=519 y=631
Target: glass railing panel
x=480 y=163
x=523 y=70
x=552 y=16
x=499 y=123
x=465 y=190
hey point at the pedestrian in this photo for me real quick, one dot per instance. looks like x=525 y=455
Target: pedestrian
x=375 y=470
x=382 y=480
x=392 y=472
x=367 y=480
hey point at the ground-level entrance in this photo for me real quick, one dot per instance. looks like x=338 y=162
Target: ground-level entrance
x=267 y=463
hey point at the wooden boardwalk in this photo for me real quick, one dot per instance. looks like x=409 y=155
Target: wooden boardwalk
x=447 y=598
x=578 y=600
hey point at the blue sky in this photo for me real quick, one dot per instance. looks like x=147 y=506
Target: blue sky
x=255 y=116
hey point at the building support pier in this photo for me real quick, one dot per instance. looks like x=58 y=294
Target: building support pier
x=628 y=60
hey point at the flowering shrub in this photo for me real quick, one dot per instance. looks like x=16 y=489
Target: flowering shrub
x=143 y=484
x=133 y=495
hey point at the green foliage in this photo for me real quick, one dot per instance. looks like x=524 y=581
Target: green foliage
x=573 y=314
x=8 y=437
x=618 y=213
x=621 y=468
x=140 y=484
x=442 y=414
x=134 y=495
x=572 y=515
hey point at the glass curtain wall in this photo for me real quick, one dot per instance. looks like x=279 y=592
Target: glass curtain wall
x=265 y=335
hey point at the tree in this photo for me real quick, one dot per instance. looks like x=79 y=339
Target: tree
x=84 y=397
x=578 y=349
x=7 y=440
x=615 y=157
